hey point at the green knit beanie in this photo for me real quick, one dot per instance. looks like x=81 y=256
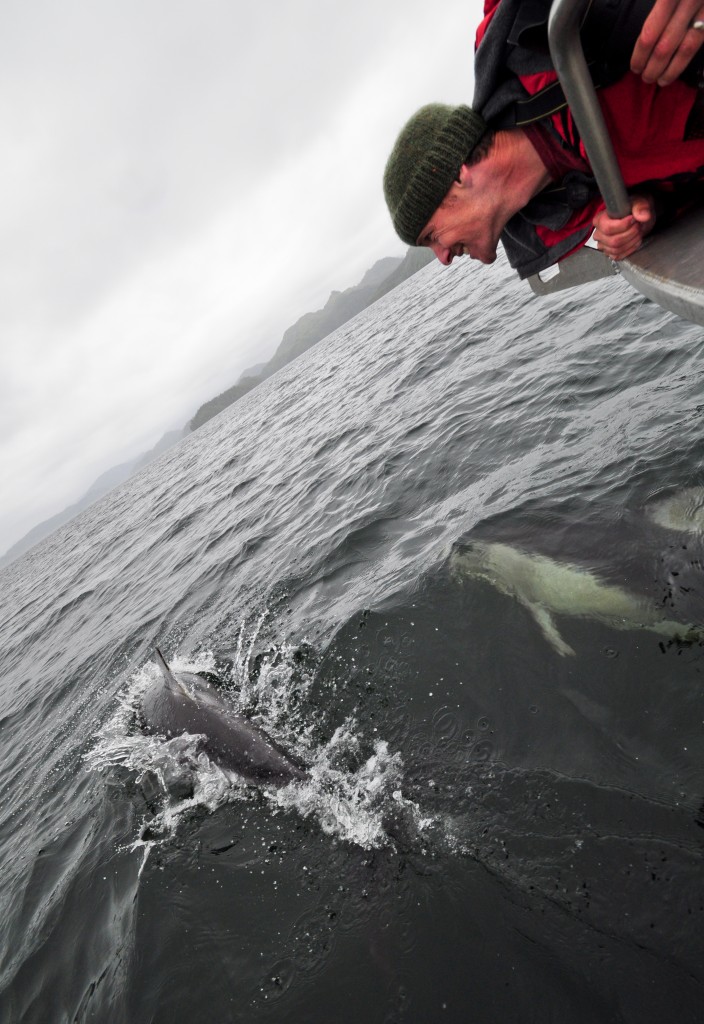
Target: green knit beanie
x=425 y=161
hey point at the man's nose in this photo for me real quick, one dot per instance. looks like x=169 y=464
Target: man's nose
x=443 y=253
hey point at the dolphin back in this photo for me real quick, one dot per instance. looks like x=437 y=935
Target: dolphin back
x=171 y=707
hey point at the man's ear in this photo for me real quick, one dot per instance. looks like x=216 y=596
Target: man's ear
x=461 y=181
x=464 y=174
x=457 y=187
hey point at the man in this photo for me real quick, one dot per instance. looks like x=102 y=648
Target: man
x=514 y=167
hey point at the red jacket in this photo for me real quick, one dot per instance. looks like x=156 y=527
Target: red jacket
x=647 y=127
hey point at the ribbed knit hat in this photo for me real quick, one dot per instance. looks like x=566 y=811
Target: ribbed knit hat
x=425 y=161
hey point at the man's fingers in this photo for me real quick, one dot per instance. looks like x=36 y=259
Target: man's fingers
x=609 y=228
x=619 y=252
x=617 y=241
x=621 y=237
x=653 y=27
x=667 y=43
x=690 y=44
x=625 y=243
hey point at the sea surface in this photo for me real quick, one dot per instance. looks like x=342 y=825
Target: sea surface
x=495 y=830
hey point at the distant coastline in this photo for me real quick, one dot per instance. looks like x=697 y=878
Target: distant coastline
x=309 y=330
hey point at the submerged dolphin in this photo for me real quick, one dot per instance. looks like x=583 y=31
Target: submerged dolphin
x=682 y=511
x=547 y=588
x=185 y=702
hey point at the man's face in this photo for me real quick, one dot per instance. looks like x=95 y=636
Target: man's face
x=467 y=222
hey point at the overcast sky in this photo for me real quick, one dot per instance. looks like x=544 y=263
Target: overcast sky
x=181 y=181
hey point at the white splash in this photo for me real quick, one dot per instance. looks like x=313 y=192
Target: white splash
x=355 y=792
x=361 y=805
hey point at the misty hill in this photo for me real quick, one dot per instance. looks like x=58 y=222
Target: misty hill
x=310 y=329
x=414 y=260
x=252 y=371
x=313 y=327
x=105 y=482
x=340 y=307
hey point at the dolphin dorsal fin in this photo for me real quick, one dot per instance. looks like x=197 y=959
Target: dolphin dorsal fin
x=164 y=666
x=169 y=678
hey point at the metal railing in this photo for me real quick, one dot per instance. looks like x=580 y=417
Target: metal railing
x=567 y=54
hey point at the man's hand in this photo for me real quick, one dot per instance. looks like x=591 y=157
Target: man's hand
x=667 y=42
x=620 y=238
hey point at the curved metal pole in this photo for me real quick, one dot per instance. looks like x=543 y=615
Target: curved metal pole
x=568 y=59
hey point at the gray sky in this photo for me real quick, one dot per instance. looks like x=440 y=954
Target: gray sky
x=180 y=182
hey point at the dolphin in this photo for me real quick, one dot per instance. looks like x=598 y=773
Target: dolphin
x=547 y=588
x=186 y=702
x=682 y=511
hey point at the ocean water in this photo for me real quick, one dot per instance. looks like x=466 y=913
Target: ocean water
x=493 y=830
